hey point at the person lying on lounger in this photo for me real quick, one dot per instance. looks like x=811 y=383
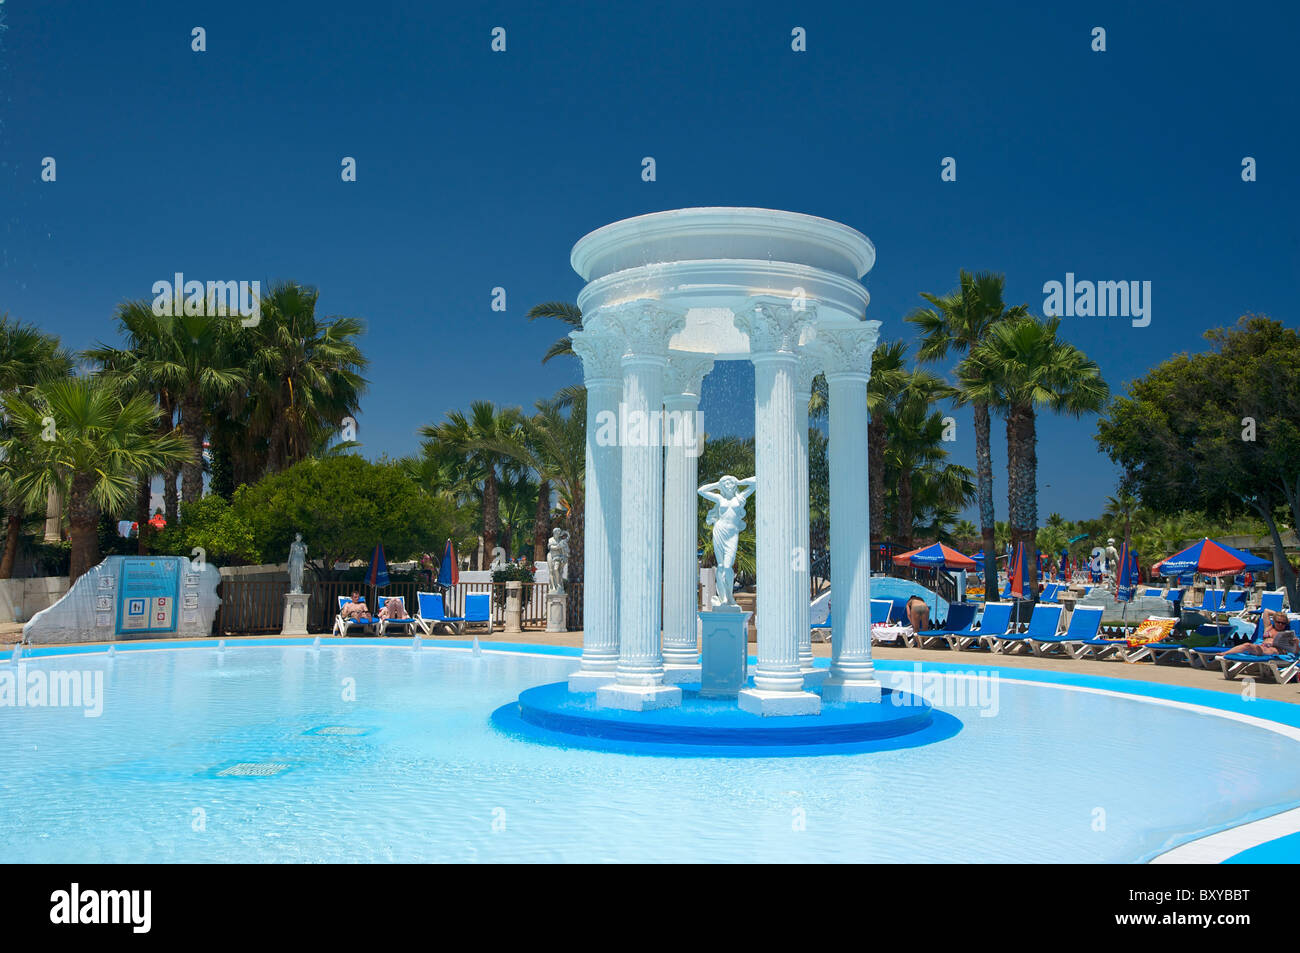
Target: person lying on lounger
x=918 y=614
x=356 y=609
x=393 y=609
x=1279 y=639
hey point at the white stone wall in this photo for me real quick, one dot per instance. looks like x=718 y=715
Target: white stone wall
x=78 y=616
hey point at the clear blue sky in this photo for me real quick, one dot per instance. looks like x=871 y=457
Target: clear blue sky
x=478 y=169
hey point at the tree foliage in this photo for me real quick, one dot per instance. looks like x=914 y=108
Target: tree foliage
x=1217 y=431
x=343 y=506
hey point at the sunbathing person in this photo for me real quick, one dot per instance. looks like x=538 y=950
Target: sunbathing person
x=918 y=614
x=393 y=608
x=356 y=609
x=1279 y=639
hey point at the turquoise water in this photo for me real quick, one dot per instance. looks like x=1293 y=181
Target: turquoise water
x=408 y=768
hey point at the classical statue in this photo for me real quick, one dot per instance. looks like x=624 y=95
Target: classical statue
x=557 y=559
x=1112 y=556
x=727 y=517
x=297 y=560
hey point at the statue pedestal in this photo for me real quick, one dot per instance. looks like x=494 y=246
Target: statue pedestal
x=724 y=639
x=514 y=612
x=295 y=613
x=557 y=604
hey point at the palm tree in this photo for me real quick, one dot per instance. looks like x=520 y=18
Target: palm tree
x=1019 y=366
x=564 y=312
x=305 y=380
x=189 y=361
x=473 y=442
x=958 y=321
x=965 y=534
x=889 y=376
x=89 y=440
x=914 y=441
x=27 y=355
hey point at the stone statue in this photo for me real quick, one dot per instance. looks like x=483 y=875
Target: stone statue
x=557 y=559
x=727 y=517
x=1112 y=557
x=297 y=560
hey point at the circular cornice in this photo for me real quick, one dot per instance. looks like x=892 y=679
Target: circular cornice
x=702 y=234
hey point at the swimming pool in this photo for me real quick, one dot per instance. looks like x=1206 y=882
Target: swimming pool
x=276 y=751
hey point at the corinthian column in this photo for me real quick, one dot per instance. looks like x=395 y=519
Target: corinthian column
x=644 y=327
x=682 y=438
x=846 y=351
x=601 y=352
x=774 y=330
x=808 y=368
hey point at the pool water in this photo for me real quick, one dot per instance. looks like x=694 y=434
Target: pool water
x=382 y=753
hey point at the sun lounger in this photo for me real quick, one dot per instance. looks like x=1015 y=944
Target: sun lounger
x=1045 y=621
x=821 y=631
x=1150 y=641
x=403 y=626
x=961 y=618
x=344 y=626
x=883 y=629
x=478 y=610
x=1051 y=592
x=433 y=614
x=1075 y=641
x=1280 y=668
x=995 y=620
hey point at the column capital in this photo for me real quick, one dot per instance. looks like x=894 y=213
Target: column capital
x=684 y=375
x=846 y=351
x=810 y=365
x=775 y=326
x=643 y=325
x=601 y=352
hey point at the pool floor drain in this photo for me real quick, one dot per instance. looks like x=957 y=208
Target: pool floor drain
x=253 y=769
x=347 y=731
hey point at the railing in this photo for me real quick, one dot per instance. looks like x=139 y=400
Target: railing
x=256 y=606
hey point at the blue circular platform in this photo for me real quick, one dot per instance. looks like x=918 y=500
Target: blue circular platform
x=716 y=727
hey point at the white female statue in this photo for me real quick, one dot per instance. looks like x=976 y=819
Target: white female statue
x=557 y=560
x=297 y=560
x=727 y=517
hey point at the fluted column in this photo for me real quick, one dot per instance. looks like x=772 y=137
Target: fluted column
x=682 y=438
x=601 y=352
x=774 y=330
x=846 y=351
x=809 y=366
x=645 y=328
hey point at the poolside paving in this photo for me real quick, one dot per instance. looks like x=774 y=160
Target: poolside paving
x=1136 y=671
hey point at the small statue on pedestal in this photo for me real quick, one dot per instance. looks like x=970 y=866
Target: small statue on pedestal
x=557 y=560
x=727 y=517
x=297 y=561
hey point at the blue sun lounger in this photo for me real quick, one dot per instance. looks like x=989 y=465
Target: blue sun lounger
x=1207 y=656
x=995 y=620
x=1280 y=668
x=960 y=621
x=1045 y=621
x=343 y=627
x=432 y=614
x=478 y=609
x=1085 y=622
x=400 y=626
